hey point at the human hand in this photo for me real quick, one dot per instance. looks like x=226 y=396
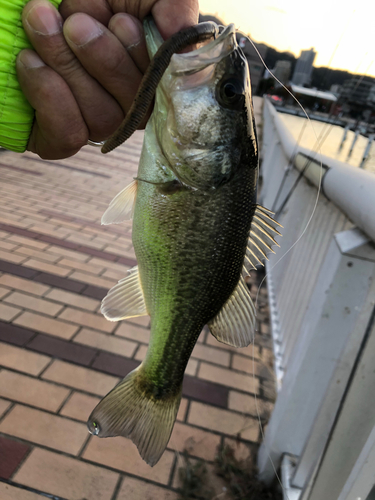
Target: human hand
x=87 y=65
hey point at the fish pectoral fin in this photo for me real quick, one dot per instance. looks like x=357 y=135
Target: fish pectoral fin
x=125 y=300
x=130 y=412
x=234 y=324
x=261 y=237
x=121 y=207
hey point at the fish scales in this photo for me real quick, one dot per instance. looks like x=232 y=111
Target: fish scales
x=194 y=203
x=174 y=252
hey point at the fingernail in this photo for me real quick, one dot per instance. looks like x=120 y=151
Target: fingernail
x=29 y=59
x=126 y=30
x=44 y=19
x=81 y=29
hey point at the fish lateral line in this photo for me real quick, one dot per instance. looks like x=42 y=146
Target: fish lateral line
x=169 y=187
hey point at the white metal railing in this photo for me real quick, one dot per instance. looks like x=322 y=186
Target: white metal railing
x=322 y=296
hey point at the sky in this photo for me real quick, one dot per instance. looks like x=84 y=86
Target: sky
x=342 y=33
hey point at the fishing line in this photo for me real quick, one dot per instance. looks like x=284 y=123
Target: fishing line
x=284 y=255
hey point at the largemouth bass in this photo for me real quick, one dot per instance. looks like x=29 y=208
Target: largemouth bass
x=197 y=230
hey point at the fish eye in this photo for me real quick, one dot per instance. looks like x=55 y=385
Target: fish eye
x=230 y=93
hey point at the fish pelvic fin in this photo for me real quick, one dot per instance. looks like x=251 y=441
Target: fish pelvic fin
x=131 y=411
x=125 y=300
x=261 y=238
x=121 y=207
x=235 y=323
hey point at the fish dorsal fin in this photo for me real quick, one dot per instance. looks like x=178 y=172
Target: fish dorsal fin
x=261 y=238
x=125 y=300
x=121 y=207
x=234 y=324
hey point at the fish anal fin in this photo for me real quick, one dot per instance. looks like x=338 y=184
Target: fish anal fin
x=130 y=412
x=234 y=324
x=125 y=300
x=121 y=207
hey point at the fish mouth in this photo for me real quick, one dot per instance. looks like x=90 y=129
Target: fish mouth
x=207 y=55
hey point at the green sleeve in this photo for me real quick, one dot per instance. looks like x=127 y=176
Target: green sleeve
x=16 y=114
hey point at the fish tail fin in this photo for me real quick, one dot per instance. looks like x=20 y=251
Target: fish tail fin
x=131 y=411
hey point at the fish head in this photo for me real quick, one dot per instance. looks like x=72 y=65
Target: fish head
x=203 y=115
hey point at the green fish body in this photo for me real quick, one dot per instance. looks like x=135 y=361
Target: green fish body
x=196 y=229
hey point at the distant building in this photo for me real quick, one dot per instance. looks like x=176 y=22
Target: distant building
x=282 y=71
x=359 y=94
x=336 y=89
x=303 y=68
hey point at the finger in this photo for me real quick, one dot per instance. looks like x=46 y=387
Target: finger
x=98 y=9
x=170 y=15
x=59 y=130
x=117 y=73
x=43 y=25
x=129 y=31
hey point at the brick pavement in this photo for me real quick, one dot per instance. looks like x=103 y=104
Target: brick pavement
x=58 y=355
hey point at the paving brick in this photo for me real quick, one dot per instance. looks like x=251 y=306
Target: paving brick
x=106 y=342
x=82 y=266
x=95 y=292
x=12 y=257
x=93 y=280
x=228 y=378
x=15 y=334
x=245 y=351
x=242 y=451
x=47 y=325
x=122 y=454
x=182 y=409
x=206 y=353
x=205 y=391
x=84 y=318
x=68 y=253
x=45 y=429
x=35 y=304
x=58 y=281
x=73 y=299
x=7 y=246
x=135 y=489
x=139 y=320
x=12 y=454
x=4 y=292
x=79 y=406
x=66 y=477
x=80 y=378
x=17 y=270
x=27 y=242
x=244 y=403
x=31 y=391
x=61 y=349
x=23 y=285
x=195 y=441
x=137 y=333
x=37 y=254
x=44 y=266
x=8 y=313
x=113 y=364
x=223 y=421
x=21 y=360
x=4 y=405
x=9 y=492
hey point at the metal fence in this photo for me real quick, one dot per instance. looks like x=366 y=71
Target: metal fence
x=322 y=296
